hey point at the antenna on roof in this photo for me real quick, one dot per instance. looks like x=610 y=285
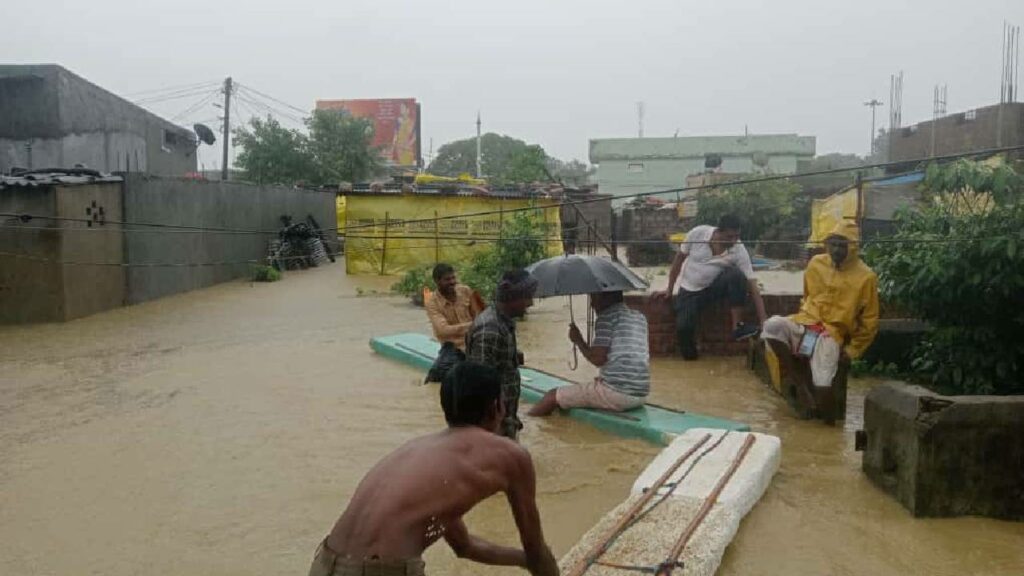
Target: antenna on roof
x=640 y=107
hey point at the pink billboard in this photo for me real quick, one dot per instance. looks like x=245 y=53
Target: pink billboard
x=396 y=125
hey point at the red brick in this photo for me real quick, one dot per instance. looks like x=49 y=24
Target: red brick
x=715 y=332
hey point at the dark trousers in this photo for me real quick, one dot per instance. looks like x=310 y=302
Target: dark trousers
x=730 y=285
x=446 y=359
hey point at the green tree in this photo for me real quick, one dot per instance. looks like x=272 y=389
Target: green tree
x=958 y=263
x=526 y=166
x=271 y=153
x=571 y=173
x=459 y=157
x=765 y=208
x=341 y=147
x=520 y=244
x=503 y=159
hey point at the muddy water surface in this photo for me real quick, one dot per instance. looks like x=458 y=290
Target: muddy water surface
x=221 y=432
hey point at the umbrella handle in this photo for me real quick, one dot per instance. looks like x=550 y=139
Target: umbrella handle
x=575 y=356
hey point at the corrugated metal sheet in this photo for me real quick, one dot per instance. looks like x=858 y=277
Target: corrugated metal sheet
x=911 y=178
x=45 y=179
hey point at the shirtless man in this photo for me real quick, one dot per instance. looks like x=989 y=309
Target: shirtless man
x=418 y=494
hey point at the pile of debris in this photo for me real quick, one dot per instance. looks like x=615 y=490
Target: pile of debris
x=298 y=245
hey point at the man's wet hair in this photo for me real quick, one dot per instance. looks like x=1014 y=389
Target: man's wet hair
x=441 y=270
x=729 y=222
x=468 y=392
x=514 y=285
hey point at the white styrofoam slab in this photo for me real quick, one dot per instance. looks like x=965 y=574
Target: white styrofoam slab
x=745 y=487
x=647 y=542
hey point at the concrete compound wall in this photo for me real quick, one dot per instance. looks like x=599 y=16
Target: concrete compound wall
x=223 y=205
x=62 y=270
x=30 y=289
x=67 y=270
x=946 y=455
x=92 y=277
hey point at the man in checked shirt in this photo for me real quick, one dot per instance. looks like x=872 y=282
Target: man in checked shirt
x=492 y=340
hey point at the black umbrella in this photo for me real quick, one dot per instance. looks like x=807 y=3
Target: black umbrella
x=575 y=274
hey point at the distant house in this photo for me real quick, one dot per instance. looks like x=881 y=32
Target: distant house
x=633 y=165
x=50 y=117
x=996 y=126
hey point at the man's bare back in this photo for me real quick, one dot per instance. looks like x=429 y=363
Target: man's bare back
x=409 y=497
x=419 y=493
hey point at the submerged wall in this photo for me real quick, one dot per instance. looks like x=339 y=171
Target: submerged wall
x=714 y=332
x=195 y=259
x=946 y=455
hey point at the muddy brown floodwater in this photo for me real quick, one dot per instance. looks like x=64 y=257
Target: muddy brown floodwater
x=221 y=432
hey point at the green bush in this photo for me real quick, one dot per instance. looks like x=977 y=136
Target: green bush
x=765 y=208
x=414 y=280
x=520 y=244
x=958 y=263
x=264 y=274
x=860 y=369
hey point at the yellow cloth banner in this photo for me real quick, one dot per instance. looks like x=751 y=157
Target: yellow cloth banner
x=825 y=214
x=392 y=234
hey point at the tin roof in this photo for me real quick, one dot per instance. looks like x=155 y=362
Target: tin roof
x=55 y=177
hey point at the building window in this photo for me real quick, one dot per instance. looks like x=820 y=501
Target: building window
x=170 y=141
x=635 y=168
x=971 y=115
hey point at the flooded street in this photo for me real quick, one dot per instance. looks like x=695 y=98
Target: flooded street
x=222 y=431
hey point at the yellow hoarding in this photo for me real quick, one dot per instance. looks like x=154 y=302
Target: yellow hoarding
x=395 y=233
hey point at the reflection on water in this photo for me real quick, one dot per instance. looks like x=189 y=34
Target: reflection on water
x=221 y=432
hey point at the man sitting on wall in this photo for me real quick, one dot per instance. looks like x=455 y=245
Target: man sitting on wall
x=620 y=351
x=837 y=321
x=451 y=311
x=715 y=266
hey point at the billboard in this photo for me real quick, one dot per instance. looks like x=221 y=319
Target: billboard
x=396 y=125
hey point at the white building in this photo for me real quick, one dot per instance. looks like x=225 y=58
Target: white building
x=633 y=165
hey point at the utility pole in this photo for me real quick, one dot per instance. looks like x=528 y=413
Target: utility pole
x=873 y=103
x=479 y=172
x=640 y=108
x=227 y=128
x=938 y=111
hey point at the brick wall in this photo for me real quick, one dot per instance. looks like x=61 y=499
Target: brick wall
x=972 y=130
x=714 y=335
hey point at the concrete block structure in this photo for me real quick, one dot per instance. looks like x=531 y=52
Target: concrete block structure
x=945 y=455
x=58 y=270
x=50 y=117
x=635 y=165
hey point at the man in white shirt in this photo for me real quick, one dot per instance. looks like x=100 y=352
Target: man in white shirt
x=717 y=267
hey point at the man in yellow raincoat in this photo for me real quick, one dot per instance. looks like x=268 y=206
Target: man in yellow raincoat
x=837 y=321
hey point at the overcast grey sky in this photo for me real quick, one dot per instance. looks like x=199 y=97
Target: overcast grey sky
x=555 y=72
